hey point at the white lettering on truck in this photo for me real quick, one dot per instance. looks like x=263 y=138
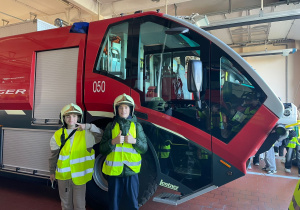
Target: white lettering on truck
x=168 y=185
x=99 y=86
x=13 y=91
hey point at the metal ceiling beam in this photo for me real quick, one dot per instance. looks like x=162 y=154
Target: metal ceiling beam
x=11 y=16
x=254 y=19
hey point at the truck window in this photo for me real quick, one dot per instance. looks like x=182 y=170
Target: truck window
x=164 y=73
x=234 y=97
x=113 y=52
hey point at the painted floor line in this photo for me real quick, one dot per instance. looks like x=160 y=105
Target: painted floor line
x=273 y=175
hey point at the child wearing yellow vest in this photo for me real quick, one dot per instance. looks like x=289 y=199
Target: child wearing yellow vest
x=72 y=157
x=123 y=141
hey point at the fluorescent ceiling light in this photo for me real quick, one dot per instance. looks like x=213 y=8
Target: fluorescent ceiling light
x=254 y=19
x=284 y=52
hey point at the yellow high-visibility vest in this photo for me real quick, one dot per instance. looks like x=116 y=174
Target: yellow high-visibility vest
x=295 y=202
x=204 y=155
x=74 y=162
x=292 y=143
x=221 y=125
x=123 y=154
x=249 y=113
x=164 y=151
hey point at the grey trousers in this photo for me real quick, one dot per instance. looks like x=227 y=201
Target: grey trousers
x=270 y=159
x=72 y=196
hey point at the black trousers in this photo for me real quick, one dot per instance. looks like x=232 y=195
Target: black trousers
x=289 y=157
x=256 y=158
x=117 y=186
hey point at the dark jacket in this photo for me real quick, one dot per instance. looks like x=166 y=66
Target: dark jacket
x=141 y=142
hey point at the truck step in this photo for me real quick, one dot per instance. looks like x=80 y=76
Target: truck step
x=167 y=198
x=175 y=199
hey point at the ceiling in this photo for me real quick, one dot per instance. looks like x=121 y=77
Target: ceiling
x=218 y=12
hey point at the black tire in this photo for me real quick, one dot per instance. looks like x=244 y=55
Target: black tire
x=96 y=193
x=96 y=189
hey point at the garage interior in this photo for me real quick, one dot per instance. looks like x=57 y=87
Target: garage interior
x=265 y=32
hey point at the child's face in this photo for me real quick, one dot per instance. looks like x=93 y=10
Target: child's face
x=71 y=120
x=124 y=111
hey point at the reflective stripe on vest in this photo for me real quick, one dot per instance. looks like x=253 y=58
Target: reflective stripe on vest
x=122 y=154
x=295 y=202
x=74 y=162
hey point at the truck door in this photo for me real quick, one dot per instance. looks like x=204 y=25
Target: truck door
x=176 y=127
x=236 y=100
x=107 y=76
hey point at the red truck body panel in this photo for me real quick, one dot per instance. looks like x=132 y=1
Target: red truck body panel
x=18 y=64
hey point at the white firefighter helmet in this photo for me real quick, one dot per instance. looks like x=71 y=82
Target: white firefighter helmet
x=123 y=99
x=70 y=109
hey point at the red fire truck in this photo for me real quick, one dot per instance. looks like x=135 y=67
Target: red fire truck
x=203 y=108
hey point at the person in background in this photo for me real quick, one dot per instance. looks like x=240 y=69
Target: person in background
x=256 y=159
x=72 y=157
x=216 y=122
x=292 y=146
x=123 y=142
x=270 y=162
x=164 y=137
x=278 y=134
x=244 y=113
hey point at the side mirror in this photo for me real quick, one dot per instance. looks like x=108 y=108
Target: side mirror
x=194 y=76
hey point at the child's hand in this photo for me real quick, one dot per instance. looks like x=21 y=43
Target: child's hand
x=80 y=127
x=52 y=177
x=129 y=139
x=118 y=140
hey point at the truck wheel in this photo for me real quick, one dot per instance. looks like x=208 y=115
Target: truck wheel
x=96 y=189
x=96 y=193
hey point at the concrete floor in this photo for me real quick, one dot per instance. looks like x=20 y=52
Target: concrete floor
x=256 y=190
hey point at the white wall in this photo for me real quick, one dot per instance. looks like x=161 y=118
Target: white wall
x=285 y=82
x=272 y=70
